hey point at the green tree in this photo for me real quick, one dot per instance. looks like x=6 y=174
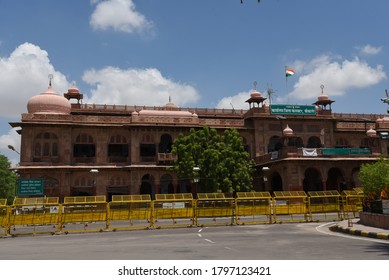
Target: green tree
x=223 y=162
x=374 y=177
x=8 y=179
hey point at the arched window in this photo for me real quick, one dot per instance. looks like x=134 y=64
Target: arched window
x=84 y=146
x=45 y=145
x=118 y=148
x=341 y=143
x=314 y=142
x=165 y=144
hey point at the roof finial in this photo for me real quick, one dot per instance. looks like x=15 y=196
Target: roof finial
x=50 y=78
x=255 y=85
x=322 y=89
x=170 y=99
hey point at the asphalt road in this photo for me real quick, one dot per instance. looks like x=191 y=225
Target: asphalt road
x=312 y=241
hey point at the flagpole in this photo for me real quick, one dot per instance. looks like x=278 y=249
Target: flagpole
x=286 y=84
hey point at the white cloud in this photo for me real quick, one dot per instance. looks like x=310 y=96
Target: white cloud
x=369 y=50
x=237 y=101
x=29 y=66
x=12 y=139
x=337 y=76
x=136 y=87
x=120 y=15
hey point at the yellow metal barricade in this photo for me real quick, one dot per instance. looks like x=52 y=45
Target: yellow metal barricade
x=129 y=212
x=34 y=215
x=324 y=206
x=352 y=203
x=3 y=217
x=214 y=209
x=290 y=206
x=359 y=191
x=84 y=214
x=253 y=208
x=173 y=210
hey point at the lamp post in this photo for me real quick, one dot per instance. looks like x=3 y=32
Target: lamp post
x=94 y=174
x=196 y=179
x=13 y=149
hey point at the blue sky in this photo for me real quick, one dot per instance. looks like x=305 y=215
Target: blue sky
x=202 y=53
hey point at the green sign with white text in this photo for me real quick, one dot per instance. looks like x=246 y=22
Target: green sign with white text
x=30 y=187
x=302 y=110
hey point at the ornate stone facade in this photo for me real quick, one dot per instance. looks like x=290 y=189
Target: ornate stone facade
x=129 y=147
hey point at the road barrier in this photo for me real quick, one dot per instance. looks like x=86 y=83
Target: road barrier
x=173 y=210
x=128 y=212
x=84 y=214
x=324 y=206
x=4 y=217
x=352 y=203
x=253 y=208
x=214 y=209
x=290 y=206
x=34 y=215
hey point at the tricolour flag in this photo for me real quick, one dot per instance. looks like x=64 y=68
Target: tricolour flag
x=289 y=72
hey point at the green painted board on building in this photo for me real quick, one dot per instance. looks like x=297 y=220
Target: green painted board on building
x=30 y=187
x=302 y=110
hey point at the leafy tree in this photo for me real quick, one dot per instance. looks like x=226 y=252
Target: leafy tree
x=375 y=178
x=223 y=162
x=8 y=179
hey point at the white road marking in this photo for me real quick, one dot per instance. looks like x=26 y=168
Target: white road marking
x=210 y=241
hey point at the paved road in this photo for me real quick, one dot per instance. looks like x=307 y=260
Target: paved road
x=263 y=242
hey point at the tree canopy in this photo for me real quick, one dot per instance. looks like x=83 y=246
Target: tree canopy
x=8 y=179
x=224 y=165
x=375 y=178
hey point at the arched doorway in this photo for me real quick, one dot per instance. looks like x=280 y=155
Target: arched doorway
x=312 y=180
x=355 y=183
x=275 y=182
x=166 y=184
x=335 y=180
x=147 y=185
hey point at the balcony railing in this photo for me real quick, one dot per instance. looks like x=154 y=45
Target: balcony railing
x=292 y=152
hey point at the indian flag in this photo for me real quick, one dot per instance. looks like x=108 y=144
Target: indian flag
x=289 y=72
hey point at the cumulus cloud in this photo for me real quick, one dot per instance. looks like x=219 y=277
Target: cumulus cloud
x=12 y=138
x=337 y=76
x=369 y=50
x=237 y=101
x=120 y=15
x=136 y=87
x=30 y=66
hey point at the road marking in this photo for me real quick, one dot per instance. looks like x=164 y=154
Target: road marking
x=210 y=241
x=199 y=235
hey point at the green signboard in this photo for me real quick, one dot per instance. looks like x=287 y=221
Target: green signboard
x=30 y=187
x=302 y=110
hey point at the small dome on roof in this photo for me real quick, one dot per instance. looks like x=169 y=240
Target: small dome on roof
x=48 y=102
x=287 y=131
x=255 y=93
x=371 y=132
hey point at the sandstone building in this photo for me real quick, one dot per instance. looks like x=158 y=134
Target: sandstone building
x=88 y=149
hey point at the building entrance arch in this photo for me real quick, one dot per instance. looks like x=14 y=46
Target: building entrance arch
x=312 y=180
x=148 y=186
x=275 y=182
x=166 y=184
x=335 y=180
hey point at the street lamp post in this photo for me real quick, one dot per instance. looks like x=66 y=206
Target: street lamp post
x=94 y=174
x=13 y=149
x=196 y=178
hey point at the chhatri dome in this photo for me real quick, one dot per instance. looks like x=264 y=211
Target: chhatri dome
x=48 y=102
